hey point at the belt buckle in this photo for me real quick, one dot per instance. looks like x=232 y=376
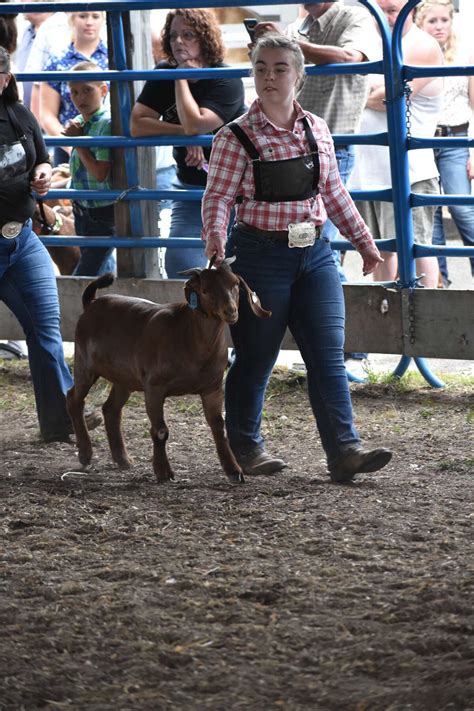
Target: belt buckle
x=10 y=230
x=301 y=234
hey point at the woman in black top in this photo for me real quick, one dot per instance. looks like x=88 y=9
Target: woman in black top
x=27 y=279
x=191 y=39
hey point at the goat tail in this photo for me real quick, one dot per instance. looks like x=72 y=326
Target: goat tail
x=100 y=283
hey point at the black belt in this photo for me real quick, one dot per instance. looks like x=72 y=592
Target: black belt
x=98 y=212
x=275 y=235
x=448 y=130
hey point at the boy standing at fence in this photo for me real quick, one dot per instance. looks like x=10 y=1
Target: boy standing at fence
x=90 y=170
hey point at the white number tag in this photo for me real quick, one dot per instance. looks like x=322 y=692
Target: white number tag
x=301 y=234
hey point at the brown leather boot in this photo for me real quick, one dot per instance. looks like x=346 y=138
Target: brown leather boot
x=260 y=462
x=358 y=460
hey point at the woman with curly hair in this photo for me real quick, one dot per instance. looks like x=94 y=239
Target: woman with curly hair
x=455 y=164
x=186 y=107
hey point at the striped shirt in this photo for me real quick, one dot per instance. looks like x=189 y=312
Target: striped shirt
x=98 y=125
x=231 y=175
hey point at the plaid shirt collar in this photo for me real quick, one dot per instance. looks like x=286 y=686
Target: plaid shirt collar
x=327 y=17
x=259 y=120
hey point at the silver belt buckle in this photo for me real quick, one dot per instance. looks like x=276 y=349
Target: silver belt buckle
x=10 y=230
x=301 y=234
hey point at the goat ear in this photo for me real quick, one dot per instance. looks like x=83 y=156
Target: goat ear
x=192 y=288
x=229 y=260
x=254 y=301
x=194 y=271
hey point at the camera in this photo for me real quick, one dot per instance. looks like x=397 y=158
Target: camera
x=250 y=24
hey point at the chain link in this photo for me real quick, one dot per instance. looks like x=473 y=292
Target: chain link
x=411 y=315
x=407 y=90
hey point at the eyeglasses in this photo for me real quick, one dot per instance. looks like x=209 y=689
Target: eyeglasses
x=187 y=36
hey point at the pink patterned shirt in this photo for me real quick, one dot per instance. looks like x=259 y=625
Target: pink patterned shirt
x=231 y=175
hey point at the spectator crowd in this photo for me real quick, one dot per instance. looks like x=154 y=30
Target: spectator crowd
x=327 y=32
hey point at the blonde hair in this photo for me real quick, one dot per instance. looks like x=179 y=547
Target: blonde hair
x=86 y=66
x=423 y=10
x=276 y=41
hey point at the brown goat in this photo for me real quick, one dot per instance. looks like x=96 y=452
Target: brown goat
x=48 y=220
x=161 y=349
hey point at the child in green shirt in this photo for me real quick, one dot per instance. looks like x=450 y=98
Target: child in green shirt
x=90 y=170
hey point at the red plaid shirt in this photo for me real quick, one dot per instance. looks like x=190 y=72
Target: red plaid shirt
x=231 y=175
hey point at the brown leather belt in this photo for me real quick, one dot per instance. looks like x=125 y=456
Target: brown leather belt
x=448 y=130
x=275 y=235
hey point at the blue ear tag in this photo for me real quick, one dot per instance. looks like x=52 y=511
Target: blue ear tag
x=193 y=301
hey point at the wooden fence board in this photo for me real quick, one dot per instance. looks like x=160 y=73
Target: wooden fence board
x=377 y=319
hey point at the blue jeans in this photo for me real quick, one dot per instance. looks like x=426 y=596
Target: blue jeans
x=454 y=180
x=345 y=156
x=186 y=222
x=302 y=289
x=28 y=288
x=95 y=222
x=165 y=179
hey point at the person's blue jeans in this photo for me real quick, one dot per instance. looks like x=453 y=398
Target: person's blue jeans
x=302 y=289
x=454 y=180
x=28 y=288
x=345 y=156
x=165 y=179
x=60 y=156
x=95 y=222
x=186 y=222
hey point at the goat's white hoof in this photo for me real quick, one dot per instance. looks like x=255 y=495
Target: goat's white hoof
x=236 y=478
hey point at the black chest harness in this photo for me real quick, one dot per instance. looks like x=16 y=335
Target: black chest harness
x=282 y=180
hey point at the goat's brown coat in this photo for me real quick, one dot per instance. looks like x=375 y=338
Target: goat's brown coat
x=65 y=257
x=161 y=349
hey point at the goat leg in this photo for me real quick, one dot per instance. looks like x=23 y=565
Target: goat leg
x=112 y=410
x=75 y=407
x=212 y=403
x=159 y=432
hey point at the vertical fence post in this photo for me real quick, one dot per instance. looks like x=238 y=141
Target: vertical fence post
x=132 y=217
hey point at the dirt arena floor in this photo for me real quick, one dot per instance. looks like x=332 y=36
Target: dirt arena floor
x=288 y=592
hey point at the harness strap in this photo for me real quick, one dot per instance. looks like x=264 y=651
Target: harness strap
x=252 y=151
x=241 y=136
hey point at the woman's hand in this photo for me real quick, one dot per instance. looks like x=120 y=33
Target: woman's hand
x=195 y=156
x=371 y=258
x=73 y=129
x=41 y=180
x=470 y=167
x=215 y=246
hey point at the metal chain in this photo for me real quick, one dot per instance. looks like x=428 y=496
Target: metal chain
x=411 y=315
x=407 y=90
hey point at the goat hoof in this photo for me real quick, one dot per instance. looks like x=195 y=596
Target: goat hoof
x=124 y=463
x=163 y=478
x=85 y=459
x=236 y=477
